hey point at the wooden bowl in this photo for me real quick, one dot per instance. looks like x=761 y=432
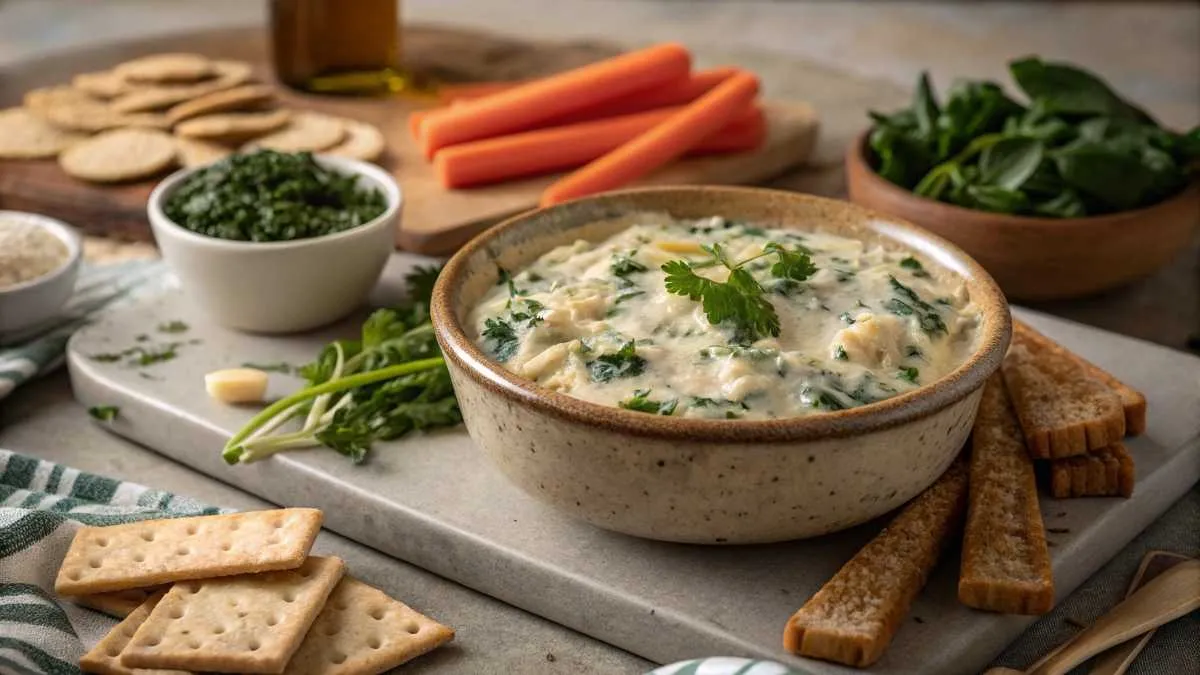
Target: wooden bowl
x=1041 y=258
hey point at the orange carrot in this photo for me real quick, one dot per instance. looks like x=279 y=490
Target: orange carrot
x=541 y=151
x=679 y=93
x=664 y=142
x=454 y=92
x=685 y=91
x=527 y=105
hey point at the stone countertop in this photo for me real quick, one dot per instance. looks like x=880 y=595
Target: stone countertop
x=1149 y=50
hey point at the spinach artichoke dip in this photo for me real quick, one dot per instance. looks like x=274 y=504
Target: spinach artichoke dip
x=720 y=319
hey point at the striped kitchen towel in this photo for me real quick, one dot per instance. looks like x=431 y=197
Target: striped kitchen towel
x=41 y=506
x=99 y=287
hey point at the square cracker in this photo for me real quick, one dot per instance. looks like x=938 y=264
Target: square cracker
x=1005 y=561
x=852 y=619
x=1108 y=472
x=251 y=623
x=1132 y=400
x=1063 y=411
x=118 y=603
x=362 y=631
x=105 y=657
x=153 y=552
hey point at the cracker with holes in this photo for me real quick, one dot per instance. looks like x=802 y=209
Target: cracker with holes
x=105 y=657
x=250 y=623
x=362 y=631
x=118 y=603
x=148 y=553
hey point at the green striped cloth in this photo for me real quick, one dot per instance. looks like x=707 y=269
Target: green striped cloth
x=24 y=357
x=42 y=504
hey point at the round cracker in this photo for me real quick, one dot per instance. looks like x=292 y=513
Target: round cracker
x=103 y=84
x=308 y=131
x=166 y=68
x=53 y=97
x=199 y=153
x=140 y=99
x=363 y=141
x=119 y=155
x=237 y=98
x=24 y=135
x=95 y=116
x=233 y=127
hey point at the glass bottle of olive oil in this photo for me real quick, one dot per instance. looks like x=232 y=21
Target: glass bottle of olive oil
x=339 y=46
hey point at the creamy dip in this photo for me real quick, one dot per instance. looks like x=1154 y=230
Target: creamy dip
x=597 y=321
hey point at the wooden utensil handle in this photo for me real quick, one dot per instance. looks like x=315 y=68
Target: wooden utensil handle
x=1168 y=597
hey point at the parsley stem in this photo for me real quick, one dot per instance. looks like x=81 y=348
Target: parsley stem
x=234 y=451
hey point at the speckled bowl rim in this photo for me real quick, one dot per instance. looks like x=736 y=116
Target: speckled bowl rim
x=856 y=153
x=926 y=400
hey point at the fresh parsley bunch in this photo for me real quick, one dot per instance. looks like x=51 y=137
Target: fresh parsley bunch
x=389 y=382
x=1076 y=148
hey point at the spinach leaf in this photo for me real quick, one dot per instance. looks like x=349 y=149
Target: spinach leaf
x=1066 y=89
x=501 y=338
x=624 y=363
x=1010 y=162
x=641 y=402
x=1117 y=180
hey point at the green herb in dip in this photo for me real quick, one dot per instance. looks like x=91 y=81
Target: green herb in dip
x=272 y=196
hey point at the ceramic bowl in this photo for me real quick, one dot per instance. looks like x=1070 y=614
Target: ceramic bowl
x=280 y=287
x=709 y=481
x=28 y=306
x=1041 y=258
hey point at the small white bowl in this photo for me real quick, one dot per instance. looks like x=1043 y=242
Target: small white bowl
x=26 y=307
x=280 y=287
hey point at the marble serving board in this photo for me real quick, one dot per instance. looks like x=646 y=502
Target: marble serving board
x=437 y=502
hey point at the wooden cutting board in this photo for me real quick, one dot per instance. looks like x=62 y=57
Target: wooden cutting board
x=435 y=221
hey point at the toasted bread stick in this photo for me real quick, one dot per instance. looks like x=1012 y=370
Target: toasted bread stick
x=1005 y=562
x=1132 y=400
x=524 y=106
x=1107 y=472
x=1063 y=412
x=853 y=617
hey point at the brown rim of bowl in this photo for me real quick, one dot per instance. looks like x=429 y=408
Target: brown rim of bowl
x=856 y=153
x=881 y=415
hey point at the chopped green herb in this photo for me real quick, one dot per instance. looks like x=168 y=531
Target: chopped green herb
x=142 y=337
x=141 y=356
x=272 y=196
x=626 y=295
x=623 y=266
x=624 y=363
x=501 y=338
x=839 y=353
x=104 y=413
x=909 y=374
x=506 y=279
x=174 y=326
x=703 y=402
x=846 y=318
x=911 y=263
x=927 y=316
x=641 y=402
x=738 y=352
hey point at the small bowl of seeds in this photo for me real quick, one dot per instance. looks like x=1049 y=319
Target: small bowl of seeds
x=39 y=262
x=272 y=242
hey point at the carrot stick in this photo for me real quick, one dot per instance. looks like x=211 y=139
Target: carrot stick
x=466 y=91
x=679 y=93
x=529 y=104
x=685 y=91
x=541 y=151
x=661 y=144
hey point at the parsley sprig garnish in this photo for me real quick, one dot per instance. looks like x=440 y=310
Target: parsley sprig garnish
x=740 y=299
